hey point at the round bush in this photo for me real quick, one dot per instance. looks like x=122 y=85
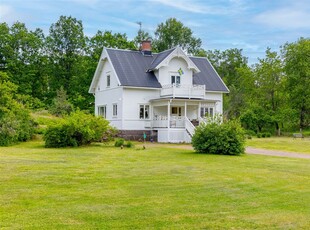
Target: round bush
x=119 y=142
x=219 y=138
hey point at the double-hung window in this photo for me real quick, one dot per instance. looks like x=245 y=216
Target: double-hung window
x=144 y=111
x=206 y=112
x=114 y=110
x=102 y=111
x=175 y=80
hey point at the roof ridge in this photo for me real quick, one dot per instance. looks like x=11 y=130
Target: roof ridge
x=198 y=57
x=167 y=50
x=161 y=53
x=125 y=50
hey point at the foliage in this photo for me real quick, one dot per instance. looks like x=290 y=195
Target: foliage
x=61 y=106
x=173 y=33
x=77 y=129
x=141 y=36
x=129 y=144
x=66 y=45
x=231 y=65
x=107 y=39
x=22 y=55
x=219 y=138
x=255 y=118
x=297 y=67
x=269 y=82
x=15 y=121
x=119 y=142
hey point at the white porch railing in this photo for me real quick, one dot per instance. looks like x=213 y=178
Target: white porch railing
x=186 y=91
x=189 y=126
x=162 y=122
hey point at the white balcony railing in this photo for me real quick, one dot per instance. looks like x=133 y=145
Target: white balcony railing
x=186 y=91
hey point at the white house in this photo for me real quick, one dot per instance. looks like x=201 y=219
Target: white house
x=163 y=95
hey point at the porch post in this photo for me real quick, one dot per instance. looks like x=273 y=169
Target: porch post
x=199 y=106
x=185 y=108
x=168 y=113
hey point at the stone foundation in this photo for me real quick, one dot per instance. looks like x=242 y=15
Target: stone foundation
x=137 y=135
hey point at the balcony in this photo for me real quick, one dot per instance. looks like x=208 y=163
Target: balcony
x=183 y=91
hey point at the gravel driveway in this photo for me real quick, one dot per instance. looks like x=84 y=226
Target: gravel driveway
x=248 y=150
x=278 y=153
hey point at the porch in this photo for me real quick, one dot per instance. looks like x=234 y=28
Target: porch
x=176 y=119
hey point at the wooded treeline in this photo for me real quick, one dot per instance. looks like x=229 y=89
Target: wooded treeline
x=271 y=95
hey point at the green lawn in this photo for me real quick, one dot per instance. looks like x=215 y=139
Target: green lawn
x=101 y=187
x=281 y=143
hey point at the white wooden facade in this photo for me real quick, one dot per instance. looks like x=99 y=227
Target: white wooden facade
x=169 y=110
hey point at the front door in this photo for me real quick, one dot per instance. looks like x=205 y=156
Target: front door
x=176 y=111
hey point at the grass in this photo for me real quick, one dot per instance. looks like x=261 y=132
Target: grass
x=44 y=118
x=103 y=187
x=281 y=143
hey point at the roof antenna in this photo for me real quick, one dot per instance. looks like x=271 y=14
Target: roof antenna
x=140 y=30
x=140 y=24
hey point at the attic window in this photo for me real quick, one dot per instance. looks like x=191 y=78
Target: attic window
x=108 y=81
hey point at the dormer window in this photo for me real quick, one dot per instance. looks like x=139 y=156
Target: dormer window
x=175 y=80
x=108 y=80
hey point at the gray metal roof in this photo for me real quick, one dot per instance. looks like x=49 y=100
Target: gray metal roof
x=207 y=76
x=159 y=58
x=132 y=69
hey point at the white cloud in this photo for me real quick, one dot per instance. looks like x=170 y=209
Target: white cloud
x=190 y=6
x=6 y=12
x=285 y=18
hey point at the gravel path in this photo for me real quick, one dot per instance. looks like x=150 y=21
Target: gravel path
x=278 y=153
x=248 y=150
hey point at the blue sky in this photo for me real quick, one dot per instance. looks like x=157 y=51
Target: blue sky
x=251 y=25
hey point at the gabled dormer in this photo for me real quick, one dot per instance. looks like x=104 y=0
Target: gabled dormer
x=174 y=67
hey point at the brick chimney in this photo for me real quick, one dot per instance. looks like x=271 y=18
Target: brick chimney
x=146 y=48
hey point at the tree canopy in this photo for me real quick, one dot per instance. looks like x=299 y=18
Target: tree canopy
x=271 y=95
x=173 y=33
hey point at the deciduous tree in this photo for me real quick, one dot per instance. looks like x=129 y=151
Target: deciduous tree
x=173 y=33
x=297 y=67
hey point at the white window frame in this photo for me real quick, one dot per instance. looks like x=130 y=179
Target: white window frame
x=114 y=111
x=108 y=80
x=210 y=110
x=145 y=113
x=175 y=79
x=102 y=111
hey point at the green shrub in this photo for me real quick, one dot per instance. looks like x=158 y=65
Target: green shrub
x=15 y=127
x=263 y=135
x=119 y=142
x=61 y=106
x=39 y=130
x=77 y=129
x=16 y=123
x=219 y=138
x=250 y=132
x=129 y=144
